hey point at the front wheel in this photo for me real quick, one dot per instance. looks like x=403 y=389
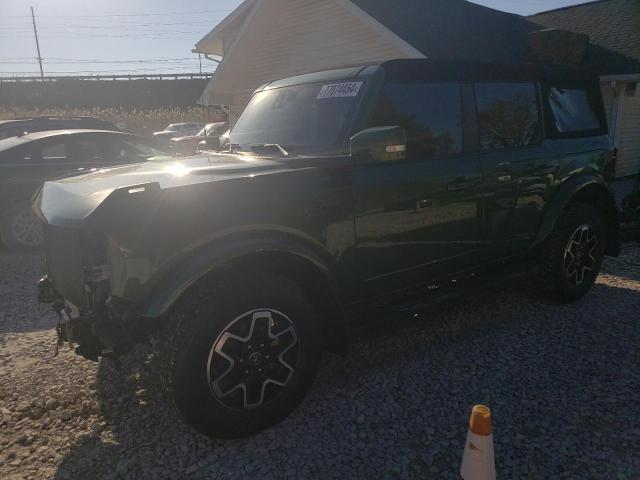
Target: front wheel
x=239 y=353
x=574 y=253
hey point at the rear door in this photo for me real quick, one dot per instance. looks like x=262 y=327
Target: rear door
x=418 y=218
x=512 y=156
x=25 y=168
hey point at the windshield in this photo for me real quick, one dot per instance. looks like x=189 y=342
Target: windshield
x=301 y=118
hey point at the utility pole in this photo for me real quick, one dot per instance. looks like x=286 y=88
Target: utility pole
x=35 y=31
x=200 y=60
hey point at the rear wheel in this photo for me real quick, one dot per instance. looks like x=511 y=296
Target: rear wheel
x=239 y=353
x=574 y=253
x=20 y=229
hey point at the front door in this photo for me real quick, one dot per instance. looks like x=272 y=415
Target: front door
x=418 y=218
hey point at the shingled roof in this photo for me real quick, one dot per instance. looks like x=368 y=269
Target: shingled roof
x=613 y=27
x=452 y=29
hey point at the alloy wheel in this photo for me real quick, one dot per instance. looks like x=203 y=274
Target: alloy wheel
x=579 y=256
x=27 y=229
x=253 y=359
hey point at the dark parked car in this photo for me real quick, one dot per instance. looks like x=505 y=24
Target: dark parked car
x=28 y=160
x=20 y=126
x=345 y=196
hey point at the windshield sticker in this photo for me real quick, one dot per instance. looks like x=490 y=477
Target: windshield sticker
x=340 y=90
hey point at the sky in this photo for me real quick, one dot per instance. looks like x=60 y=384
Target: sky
x=132 y=36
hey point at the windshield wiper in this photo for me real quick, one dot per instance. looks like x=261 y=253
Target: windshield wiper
x=269 y=146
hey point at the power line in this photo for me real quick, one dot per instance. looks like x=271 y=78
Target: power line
x=150 y=36
x=96 y=34
x=88 y=60
x=63 y=61
x=109 y=72
x=126 y=14
x=109 y=23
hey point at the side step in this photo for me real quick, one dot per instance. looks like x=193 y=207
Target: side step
x=437 y=294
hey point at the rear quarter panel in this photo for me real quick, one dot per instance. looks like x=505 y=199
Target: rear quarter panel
x=568 y=166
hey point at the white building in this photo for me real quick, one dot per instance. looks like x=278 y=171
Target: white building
x=264 y=40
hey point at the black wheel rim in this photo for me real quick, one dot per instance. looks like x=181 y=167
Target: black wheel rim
x=253 y=359
x=580 y=255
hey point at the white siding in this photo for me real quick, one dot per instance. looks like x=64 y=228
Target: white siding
x=628 y=135
x=609 y=99
x=290 y=37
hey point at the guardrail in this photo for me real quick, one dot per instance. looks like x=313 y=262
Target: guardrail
x=158 y=76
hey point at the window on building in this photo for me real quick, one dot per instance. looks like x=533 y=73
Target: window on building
x=508 y=115
x=572 y=110
x=431 y=114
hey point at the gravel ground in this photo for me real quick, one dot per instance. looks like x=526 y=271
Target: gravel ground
x=563 y=383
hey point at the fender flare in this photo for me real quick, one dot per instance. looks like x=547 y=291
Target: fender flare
x=172 y=280
x=573 y=188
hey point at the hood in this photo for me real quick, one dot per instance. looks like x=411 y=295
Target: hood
x=69 y=202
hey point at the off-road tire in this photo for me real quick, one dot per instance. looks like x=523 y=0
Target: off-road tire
x=184 y=345
x=551 y=275
x=9 y=236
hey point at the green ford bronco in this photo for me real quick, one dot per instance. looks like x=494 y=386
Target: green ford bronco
x=341 y=196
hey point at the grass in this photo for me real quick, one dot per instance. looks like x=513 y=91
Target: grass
x=141 y=122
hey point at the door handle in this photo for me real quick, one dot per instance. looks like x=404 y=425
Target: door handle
x=504 y=178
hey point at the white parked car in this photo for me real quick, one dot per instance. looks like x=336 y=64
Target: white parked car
x=178 y=130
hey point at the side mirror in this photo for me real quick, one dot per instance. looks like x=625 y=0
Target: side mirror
x=380 y=144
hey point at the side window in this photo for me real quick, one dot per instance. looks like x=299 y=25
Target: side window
x=86 y=149
x=431 y=113
x=136 y=151
x=508 y=115
x=573 y=111
x=49 y=152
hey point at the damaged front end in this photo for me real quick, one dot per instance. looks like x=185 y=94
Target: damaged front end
x=90 y=320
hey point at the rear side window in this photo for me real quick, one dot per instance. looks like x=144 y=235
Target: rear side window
x=508 y=115
x=46 y=152
x=573 y=111
x=430 y=113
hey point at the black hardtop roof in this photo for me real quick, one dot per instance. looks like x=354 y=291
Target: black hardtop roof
x=433 y=70
x=462 y=70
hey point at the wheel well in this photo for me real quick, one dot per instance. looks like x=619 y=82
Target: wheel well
x=601 y=198
x=311 y=279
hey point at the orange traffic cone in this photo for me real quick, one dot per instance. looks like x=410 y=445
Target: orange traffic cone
x=478 y=461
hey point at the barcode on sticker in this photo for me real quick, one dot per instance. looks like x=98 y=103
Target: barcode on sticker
x=338 y=90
